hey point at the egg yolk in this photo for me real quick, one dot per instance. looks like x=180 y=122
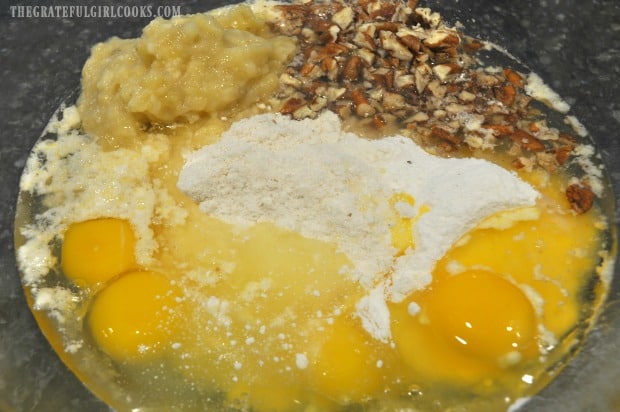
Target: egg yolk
x=345 y=369
x=135 y=316
x=401 y=230
x=482 y=314
x=95 y=251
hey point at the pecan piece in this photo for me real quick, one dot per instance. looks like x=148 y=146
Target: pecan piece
x=500 y=129
x=442 y=38
x=379 y=121
x=562 y=153
x=352 y=69
x=291 y=105
x=580 y=197
x=527 y=141
x=444 y=135
x=506 y=94
x=513 y=78
x=362 y=105
x=385 y=12
x=390 y=42
x=344 y=17
x=412 y=42
x=331 y=49
x=393 y=101
x=472 y=46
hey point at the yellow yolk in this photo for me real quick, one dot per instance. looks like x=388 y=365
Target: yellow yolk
x=345 y=369
x=401 y=230
x=482 y=314
x=430 y=358
x=470 y=327
x=95 y=251
x=135 y=316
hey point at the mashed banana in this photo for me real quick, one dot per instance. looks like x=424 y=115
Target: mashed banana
x=179 y=71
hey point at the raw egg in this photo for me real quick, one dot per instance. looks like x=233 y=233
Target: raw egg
x=481 y=314
x=135 y=316
x=94 y=251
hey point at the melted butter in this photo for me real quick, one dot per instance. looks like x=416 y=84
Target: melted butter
x=262 y=299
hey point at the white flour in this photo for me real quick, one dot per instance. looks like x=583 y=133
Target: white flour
x=311 y=177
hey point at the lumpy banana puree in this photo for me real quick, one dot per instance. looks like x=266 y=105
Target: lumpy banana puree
x=188 y=243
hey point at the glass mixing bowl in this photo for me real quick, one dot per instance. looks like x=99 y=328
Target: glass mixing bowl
x=574 y=46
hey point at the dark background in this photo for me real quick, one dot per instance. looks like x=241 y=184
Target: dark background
x=573 y=45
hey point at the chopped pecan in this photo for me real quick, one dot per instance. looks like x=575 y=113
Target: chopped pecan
x=500 y=129
x=441 y=39
x=566 y=138
x=533 y=127
x=562 y=153
x=437 y=89
x=527 y=141
x=506 y=94
x=329 y=65
x=444 y=135
x=547 y=161
x=385 y=12
x=401 y=68
x=472 y=46
x=442 y=71
x=387 y=26
x=379 y=121
x=423 y=74
x=402 y=81
x=319 y=24
x=291 y=105
x=363 y=107
x=485 y=80
x=513 y=78
x=580 y=197
x=331 y=50
x=344 y=17
x=306 y=69
x=390 y=42
x=412 y=42
x=523 y=163
x=352 y=69
x=304 y=112
x=393 y=101
x=367 y=55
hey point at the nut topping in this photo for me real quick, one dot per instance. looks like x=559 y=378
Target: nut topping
x=580 y=197
x=390 y=66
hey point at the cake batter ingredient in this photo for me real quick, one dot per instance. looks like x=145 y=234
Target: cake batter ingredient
x=180 y=70
x=135 y=317
x=95 y=251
